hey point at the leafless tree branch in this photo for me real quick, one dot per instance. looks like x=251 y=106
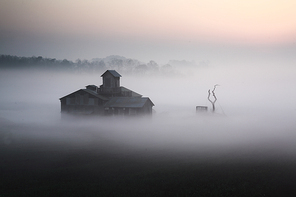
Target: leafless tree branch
x=215 y=98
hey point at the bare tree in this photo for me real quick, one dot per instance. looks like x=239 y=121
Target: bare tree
x=215 y=98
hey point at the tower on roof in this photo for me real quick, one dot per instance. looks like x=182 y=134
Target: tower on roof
x=111 y=79
x=111 y=82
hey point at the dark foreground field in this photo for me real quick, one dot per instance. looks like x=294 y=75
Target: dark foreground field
x=46 y=167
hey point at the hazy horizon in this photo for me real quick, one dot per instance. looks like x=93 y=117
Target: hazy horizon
x=154 y=30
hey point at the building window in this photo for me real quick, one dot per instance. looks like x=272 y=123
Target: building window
x=91 y=101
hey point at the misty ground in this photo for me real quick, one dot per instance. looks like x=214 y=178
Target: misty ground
x=86 y=158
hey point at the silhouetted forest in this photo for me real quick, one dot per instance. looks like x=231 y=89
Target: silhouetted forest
x=15 y=62
x=118 y=63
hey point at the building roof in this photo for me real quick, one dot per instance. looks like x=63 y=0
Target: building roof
x=128 y=102
x=95 y=94
x=133 y=94
x=93 y=86
x=112 y=72
x=90 y=92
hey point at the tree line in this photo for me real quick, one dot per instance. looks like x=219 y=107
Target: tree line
x=119 y=63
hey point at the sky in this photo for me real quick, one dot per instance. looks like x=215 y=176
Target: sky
x=144 y=30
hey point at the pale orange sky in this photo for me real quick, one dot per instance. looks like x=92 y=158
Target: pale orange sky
x=249 y=22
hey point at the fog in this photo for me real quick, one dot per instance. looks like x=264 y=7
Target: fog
x=245 y=148
x=255 y=110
